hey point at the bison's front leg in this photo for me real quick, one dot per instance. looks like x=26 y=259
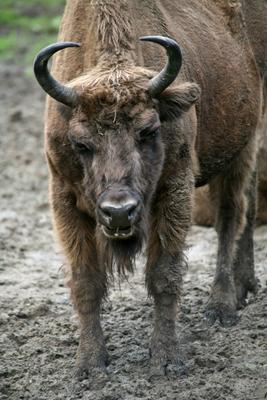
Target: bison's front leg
x=87 y=281
x=165 y=267
x=164 y=282
x=87 y=292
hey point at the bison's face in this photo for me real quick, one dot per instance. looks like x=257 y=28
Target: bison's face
x=118 y=137
x=121 y=153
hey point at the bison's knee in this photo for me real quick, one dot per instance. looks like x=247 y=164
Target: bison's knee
x=165 y=277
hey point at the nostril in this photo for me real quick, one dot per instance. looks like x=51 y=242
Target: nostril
x=106 y=211
x=132 y=211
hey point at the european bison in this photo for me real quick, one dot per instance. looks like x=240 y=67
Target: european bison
x=204 y=207
x=126 y=147
x=255 y=14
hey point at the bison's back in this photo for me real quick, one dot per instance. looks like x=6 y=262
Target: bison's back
x=256 y=20
x=217 y=56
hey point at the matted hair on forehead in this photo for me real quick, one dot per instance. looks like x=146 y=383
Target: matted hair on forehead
x=116 y=86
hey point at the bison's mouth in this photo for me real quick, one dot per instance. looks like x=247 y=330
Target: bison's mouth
x=118 y=232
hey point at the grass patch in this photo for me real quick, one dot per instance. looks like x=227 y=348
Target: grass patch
x=27 y=26
x=8 y=43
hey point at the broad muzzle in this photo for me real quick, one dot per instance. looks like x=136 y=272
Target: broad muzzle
x=117 y=212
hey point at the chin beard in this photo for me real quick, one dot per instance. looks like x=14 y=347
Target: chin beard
x=120 y=254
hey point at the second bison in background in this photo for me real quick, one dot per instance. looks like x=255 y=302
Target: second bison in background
x=204 y=207
x=255 y=15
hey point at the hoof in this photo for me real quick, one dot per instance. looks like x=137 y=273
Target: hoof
x=226 y=317
x=166 y=366
x=86 y=367
x=242 y=290
x=175 y=368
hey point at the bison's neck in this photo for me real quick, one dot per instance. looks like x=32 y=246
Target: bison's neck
x=112 y=27
x=104 y=29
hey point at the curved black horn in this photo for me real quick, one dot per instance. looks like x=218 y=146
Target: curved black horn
x=161 y=81
x=59 y=92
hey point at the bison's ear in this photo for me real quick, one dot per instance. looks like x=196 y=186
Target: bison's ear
x=173 y=102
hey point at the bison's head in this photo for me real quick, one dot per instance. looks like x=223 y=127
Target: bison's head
x=114 y=138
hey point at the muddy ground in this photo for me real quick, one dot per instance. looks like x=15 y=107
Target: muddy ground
x=38 y=328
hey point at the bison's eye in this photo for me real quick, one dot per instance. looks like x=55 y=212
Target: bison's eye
x=82 y=148
x=148 y=134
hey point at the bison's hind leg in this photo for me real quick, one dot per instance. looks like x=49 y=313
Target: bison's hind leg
x=235 y=193
x=243 y=266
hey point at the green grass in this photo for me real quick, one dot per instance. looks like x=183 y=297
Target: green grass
x=27 y=26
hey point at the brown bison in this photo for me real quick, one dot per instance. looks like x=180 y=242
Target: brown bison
x=255 y=13
x=126 y=145
x=204 y=205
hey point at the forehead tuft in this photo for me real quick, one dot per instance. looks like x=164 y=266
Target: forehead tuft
x=114 y=88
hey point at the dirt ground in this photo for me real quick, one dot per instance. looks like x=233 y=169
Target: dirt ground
x=38 y=328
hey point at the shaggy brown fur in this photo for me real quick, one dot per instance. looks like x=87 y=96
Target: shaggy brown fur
x=104 y=147
x=255 y=16
x=204 y=207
